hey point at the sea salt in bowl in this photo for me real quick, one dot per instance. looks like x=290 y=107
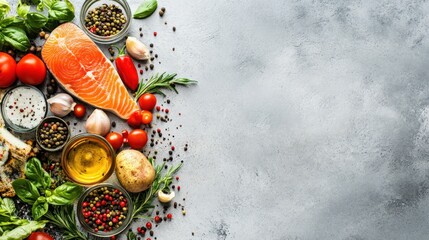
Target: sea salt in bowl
x=23 y=108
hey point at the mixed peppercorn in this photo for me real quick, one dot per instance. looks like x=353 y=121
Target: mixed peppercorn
x=106 y=20
x=105 y=209
x=53 y=134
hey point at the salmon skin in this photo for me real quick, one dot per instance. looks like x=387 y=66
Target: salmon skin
x=82 y=69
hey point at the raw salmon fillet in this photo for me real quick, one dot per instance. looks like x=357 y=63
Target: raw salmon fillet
x=82 y=69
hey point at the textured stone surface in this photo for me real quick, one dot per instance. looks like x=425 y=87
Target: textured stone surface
x=310 y=120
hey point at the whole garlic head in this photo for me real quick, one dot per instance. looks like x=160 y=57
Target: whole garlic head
x=98 y=123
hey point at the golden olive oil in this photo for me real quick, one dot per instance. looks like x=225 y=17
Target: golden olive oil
x=88 y=161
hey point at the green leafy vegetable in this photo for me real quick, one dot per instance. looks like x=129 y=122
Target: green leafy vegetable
x=16 y=37
x=23 y=9
x=65 y=194
x=143 y=201
x=61 y=11
x=12 y=227
x=35 y=21
x=23 y=231
x=40 y=207
x=25 y=190
x=158 y=82
x=146 y=9
x=64 y=217
x=4 y=8
x=35 y=173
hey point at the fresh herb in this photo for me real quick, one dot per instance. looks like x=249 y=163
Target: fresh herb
x=64 y=217
x=15 y=31
x=131 y=235
x=143 y=201
x=13 y=227
x=39 y=180
x=158 y=82
x=146 y=9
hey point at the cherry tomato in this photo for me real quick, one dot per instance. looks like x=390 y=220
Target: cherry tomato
x=147 y=101
x=7 y=70
x=31 y=70
x=135 y=119
x=40 y=236
x=146 y=117
x=79 y=110
x=137 y=138
x=115 y=139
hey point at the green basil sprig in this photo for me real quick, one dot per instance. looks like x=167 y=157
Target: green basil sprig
x=146 y=9
x=38 y=178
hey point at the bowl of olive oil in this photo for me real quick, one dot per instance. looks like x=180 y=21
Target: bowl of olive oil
x=88 y=159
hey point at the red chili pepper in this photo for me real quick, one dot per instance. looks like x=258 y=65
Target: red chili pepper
x=126 y=69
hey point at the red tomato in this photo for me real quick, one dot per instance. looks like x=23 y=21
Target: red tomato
x=79 y=110
x=147 y=101
x=115 y=139
x=40 y=236
x=31 y=70
x=146 y=117
x=7 y=70
x=137 y=138
x=135 y=119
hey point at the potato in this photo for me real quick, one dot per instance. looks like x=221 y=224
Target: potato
x=134 y=171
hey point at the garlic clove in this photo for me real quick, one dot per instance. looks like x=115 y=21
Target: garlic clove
x=98 y=123
x=164 y=197
x=137 y=49
x=61 y=104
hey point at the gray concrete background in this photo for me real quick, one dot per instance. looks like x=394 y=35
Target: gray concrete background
x=310 y=119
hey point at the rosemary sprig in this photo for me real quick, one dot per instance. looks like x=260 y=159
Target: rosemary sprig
x=143 y=201
x=158 y=82
x=65 y=218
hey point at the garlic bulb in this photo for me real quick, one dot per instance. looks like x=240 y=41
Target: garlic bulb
x=137 y=49
x=61 y=104
x=98 y=123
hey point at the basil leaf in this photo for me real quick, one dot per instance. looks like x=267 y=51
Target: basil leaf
x=51 y=24
x=33 y=168
x=40 y=207
x=25 y=190
x=65 y=194
x=4 y=8
x=61 y=11
x=23 y=9
x=12 y=22
x=8 y=205
x=23 y=231
x=146 y=9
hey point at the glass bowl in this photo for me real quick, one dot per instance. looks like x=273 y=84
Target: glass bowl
x=91 y=5
x=39 y=132
x=23 y=107
x=100 y=205
x=88 y=159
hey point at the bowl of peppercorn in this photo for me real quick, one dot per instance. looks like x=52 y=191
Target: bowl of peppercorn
x=106 y=21
x=52 y=134
x=105 y=210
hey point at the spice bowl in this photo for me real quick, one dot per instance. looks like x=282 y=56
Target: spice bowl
x=111 y=15
x=88 y=159
x=105 y=210
x=23 y=107
x=52 y=134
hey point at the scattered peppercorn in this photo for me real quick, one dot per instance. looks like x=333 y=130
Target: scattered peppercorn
x=174 y=29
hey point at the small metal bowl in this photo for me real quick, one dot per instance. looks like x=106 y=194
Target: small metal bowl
x=88 y=159
x=107 y=40
x=15 y=116
x=102 y=233
x=38 y=133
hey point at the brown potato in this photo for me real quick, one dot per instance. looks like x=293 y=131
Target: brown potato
x=134 y=171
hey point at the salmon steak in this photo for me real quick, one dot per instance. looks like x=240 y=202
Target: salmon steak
x=84 y=71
